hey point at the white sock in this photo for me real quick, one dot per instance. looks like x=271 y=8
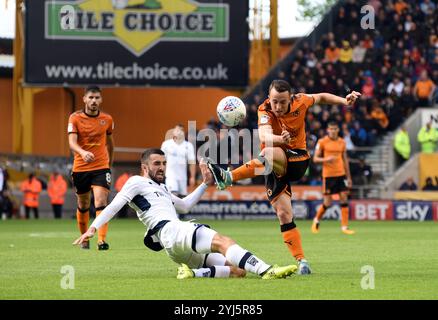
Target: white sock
x=212 y=272
x=315 y=220
x=244 y=259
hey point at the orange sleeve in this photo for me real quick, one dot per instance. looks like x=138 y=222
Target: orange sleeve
x=264 y=118
x=307 y=99
x=110 y=129
x=72 y=124
x=320 y=146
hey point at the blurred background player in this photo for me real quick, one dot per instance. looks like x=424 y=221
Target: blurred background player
x=90 y=138
x=179 y=153
x=193 y=245
x=57 y=188
x=284 y=157
x=331 y=151
x=31 y=188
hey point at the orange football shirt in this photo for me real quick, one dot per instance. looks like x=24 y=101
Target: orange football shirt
x=336 y=148
x=92 y=132
x=293 y=121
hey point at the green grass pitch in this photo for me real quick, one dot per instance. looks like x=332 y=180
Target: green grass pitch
x=404 y=256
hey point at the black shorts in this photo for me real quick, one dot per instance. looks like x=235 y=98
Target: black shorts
x=334 y=185
x=83 y=181
x=295 y=171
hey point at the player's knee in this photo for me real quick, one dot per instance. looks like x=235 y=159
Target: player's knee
x=283 y=213
x=236 y=272
x=100 y=204
x=326 y=205
x=221 y=243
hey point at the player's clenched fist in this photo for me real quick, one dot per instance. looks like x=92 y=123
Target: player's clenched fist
x=352 y=97
x=206 y=174
x=87 y=156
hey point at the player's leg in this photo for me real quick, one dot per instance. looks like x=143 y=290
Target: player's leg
x=208 y=240
x=343 y=197
x=83 y=215
x=100 y=202
x=279 y=194
x=243 y=259
x=327 y=201
x=81 y=183
x=270 y=159
x=215 y=266
x=101 y=183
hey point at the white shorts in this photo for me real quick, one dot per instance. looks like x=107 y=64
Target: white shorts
x=177 y=186
x=177 y=239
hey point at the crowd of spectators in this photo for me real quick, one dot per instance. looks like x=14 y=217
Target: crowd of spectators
x=394 y=66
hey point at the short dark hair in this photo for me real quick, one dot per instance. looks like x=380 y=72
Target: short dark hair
x=280 y=86
x=333 y=124
x=93 y=89
x=148 y=152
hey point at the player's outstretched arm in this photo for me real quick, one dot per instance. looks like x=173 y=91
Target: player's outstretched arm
x=106 y=215
x=184 y=205
x=328 y=98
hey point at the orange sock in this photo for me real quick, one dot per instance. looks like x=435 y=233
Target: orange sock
x=101 y=233
x=247 y=170
x=292 y=238
x=320 y=212
x=82 y=217
x=344 y=215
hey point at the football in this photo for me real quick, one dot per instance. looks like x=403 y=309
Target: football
x=231 y=111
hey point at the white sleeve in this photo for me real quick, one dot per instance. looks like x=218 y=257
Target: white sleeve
x=191 y=153
x=1 y=179
x=184 y=205
x=128 y=192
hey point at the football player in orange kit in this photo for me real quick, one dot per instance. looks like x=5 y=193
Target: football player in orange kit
x=331 y=151
x=90 y=138
x=284 y=157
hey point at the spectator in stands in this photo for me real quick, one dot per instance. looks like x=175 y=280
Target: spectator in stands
x=349 y=145
x=408 y=185
x=345 y=53
x=362 y=173
x=429 y=186
x=359 y=52
x=57 y=188
x=395 y=87
x=368 y=88
x=31 y=188
x=380 y=117
x=427 y=6
x=424 y=89
x=332 y=53
x=400 y=6
x=358 y=134
x=402 y=145
x=428 y=138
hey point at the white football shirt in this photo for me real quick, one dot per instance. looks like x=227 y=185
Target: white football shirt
x=151 y=201
x=178 y=156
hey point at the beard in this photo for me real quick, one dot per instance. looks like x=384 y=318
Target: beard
x=158 y=178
